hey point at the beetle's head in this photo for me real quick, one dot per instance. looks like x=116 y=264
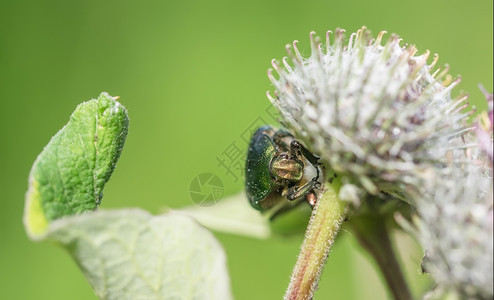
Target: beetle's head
x=283 y=168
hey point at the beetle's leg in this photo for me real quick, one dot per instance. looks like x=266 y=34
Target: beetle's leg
x=297 y=192
x=295 y=149
x=298 y=149
x=278 y=137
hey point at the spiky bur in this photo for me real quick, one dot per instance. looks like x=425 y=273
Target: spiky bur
x=378 y=114
x=483 y=128
x=372 y=111
x=455 y=223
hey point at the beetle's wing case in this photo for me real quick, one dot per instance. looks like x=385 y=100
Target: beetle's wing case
x=258 y=181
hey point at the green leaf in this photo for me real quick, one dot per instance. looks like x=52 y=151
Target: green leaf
x=231 y=215
x=130 y=254
x=125 y=254
x=69 y=175
x=235 y=215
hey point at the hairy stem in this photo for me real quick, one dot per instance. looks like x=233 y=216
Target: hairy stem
x=327 y=216
x=373 y=235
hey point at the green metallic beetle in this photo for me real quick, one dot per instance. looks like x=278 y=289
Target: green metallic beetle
x=278 y=167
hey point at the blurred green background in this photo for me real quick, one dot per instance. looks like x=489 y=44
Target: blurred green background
x=193 y=76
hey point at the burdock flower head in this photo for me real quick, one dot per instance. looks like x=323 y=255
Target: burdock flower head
x=374 y=112
x=383 y=118
x=455 y=223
